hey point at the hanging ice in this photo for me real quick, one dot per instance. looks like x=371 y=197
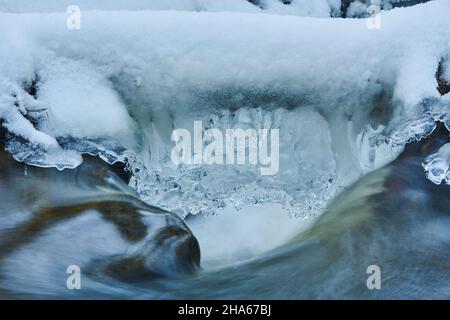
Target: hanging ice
x=119 y=86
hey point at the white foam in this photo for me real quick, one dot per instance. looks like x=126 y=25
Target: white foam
x=236 y=236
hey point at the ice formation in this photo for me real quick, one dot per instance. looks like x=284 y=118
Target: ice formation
x=437 y=165
x=345 y=98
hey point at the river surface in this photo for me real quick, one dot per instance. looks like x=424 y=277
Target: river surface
x=393 y=218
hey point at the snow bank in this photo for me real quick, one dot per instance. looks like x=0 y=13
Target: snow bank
x=299 y=7
x=308 y=8
x=346 y=98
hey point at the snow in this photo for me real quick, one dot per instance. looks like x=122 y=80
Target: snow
x=298 y=7
x=318 y=8
x=67 y=85
x=308 y=8
x=185 y=5
x=356 y=9
x=130 y=77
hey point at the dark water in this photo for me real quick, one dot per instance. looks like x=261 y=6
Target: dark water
x=393 y=218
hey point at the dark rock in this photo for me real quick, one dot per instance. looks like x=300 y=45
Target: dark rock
x=443 y=86
x=161 y=245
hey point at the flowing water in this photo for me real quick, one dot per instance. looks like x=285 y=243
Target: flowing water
x=393 y=218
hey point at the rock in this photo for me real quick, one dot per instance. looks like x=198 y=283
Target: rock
x=88 y=217
x=443 y=85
